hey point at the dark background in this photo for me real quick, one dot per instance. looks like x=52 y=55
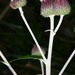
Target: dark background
x=16 y=41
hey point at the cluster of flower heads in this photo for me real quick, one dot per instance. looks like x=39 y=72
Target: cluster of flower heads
x=54 y=7
x=17 y=3
x=48 y=7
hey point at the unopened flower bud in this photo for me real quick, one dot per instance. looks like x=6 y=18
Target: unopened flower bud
x=35 y=51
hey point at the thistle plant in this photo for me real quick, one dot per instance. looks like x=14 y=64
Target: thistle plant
x=49 y=8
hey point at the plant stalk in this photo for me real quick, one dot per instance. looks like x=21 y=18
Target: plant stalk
x=7 y=63
x=51 y=38
x=27 y=25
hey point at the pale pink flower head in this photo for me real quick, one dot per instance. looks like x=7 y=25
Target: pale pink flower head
x=17 y=3
x=35 y=51
x=54 y=7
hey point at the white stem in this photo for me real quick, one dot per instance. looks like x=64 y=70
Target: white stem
x=7 y=63
x=41 y=0
x=66 y=64
x=11 y=0
x=59 y=23
x=52 y=22
x=48 y=63
x=51 y=38
x=47 y=30
x=27 y=25
x=42 y=66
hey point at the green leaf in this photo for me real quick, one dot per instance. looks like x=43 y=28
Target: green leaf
x=35 y=57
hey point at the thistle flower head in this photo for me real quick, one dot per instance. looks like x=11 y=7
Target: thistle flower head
x=54 y=7
x=17 y=3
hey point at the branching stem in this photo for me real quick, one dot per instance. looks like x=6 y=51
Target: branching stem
x=51 y=38
x=27 y=25
x=7 y=63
